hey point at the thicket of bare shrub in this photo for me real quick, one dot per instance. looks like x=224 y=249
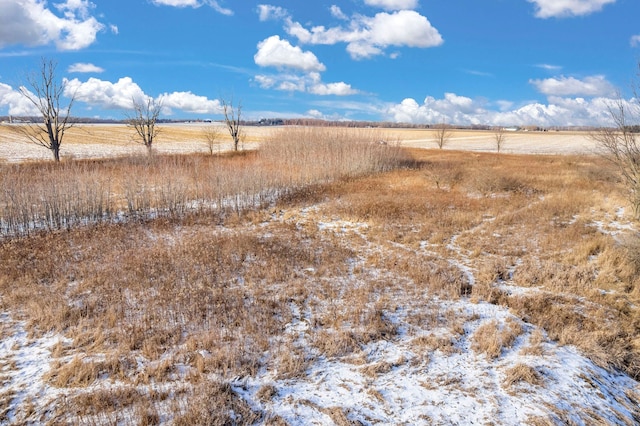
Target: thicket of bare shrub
x=44 y=196
x=313 y=154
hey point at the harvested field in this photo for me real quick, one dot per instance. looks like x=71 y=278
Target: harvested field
x=520 y=142
x=100 y=141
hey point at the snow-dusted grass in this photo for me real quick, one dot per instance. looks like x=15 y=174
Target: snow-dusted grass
x=471 y=289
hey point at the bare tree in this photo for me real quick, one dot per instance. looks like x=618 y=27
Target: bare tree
x=620 y=145
x=213 y=135
x=442 y=134
x=499 y=136
x=45 y=92
x=143 y=119
x=232 y=119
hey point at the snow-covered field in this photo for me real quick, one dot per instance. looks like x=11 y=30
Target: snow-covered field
x=99 y=141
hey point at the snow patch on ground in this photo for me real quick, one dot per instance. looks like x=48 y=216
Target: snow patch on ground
x=410 y=386
x=23 y=363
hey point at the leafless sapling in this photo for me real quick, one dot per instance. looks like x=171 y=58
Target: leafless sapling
x=442 y=134
x=232 y=119
x=213 y=135
x=499 y=136
x=143 y=119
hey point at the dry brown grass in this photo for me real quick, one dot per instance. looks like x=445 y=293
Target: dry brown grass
x=201 y=298
x=214 y=403
x=520 y=373
x=492 y=338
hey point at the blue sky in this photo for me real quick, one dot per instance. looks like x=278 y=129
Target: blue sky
x=496 y=62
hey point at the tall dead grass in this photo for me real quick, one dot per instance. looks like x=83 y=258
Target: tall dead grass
x=317 y=154
x=44 y=196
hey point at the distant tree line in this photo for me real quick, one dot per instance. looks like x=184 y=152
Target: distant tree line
x=82 y=120
x=311 y=122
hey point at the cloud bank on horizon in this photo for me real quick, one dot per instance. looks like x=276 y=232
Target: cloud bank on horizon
x=365 y=60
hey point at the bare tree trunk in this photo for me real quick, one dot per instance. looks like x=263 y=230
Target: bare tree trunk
x=232 y=120
x=45 y=93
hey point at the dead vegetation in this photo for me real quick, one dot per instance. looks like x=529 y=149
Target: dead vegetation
x=522 y=373
x=192 y=300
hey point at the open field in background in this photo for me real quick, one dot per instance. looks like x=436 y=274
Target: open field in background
x=99 y=141
x=430 y=287
x=520 y=142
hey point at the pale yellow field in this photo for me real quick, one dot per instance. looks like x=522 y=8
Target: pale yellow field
x=515 y=142
x=98 y=141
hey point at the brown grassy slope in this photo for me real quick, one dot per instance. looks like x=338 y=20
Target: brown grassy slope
x=187 y=301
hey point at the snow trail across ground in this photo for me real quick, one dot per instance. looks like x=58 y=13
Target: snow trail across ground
x=419 y=375
x=396 y=381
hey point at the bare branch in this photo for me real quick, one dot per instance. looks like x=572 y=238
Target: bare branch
x=500 y=136
x=212 y=134
x=442 y=134
x=232 y=119
x=143 y=120
x=620 y=145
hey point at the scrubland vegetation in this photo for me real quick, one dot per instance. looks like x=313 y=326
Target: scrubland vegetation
x=56 y=196
x=163 y=287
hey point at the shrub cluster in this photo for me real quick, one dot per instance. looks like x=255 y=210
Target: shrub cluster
x=42 y=196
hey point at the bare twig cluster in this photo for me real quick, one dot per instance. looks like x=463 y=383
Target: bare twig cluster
x=143 y=119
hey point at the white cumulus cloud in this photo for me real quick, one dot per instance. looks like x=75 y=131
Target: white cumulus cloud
x=567 y=8
x=120 y=95
x=393 y=4
x=596 y=85
x=299 y=70
x=105 y=94
x=451 y=109
x=337 y=89
x=32 y=23
x=635 y=40
x=369 y=36
x=455 y=109
x=275 y=52
x=190 y=103
x=314 y=113
x=336 y=12
x=82 y=67
x=16 y=103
